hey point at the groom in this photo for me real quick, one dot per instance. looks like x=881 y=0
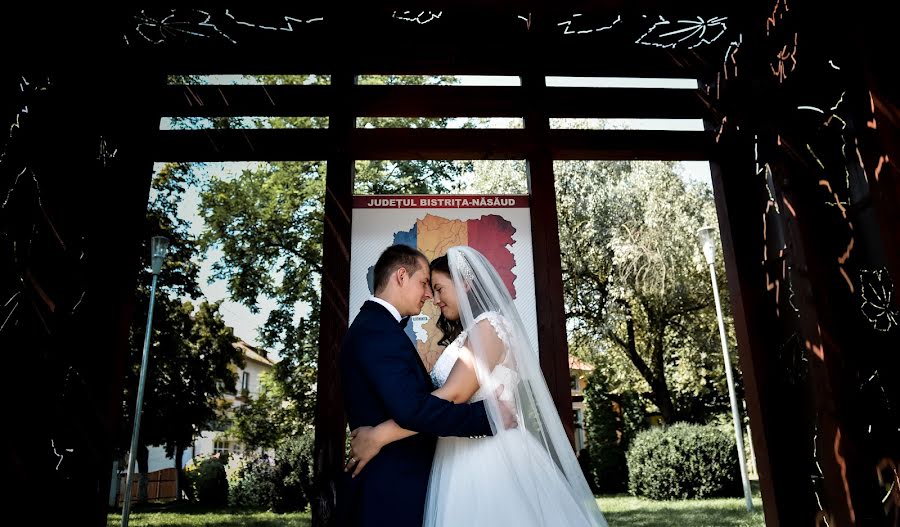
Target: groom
x=383 y=378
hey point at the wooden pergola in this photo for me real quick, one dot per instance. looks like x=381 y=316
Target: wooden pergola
x=801 y=373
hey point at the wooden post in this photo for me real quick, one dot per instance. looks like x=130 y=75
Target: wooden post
x=330 y=420
x=548 y=287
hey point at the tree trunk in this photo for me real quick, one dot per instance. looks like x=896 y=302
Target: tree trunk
x=654 y=373
x=179 y=473
x=661 y=394
x=143 y=454
x=630 y=346
x=187 y=487
x=114 y=485
x=663 y=399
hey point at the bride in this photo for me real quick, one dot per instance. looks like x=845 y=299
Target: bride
x=526 y=475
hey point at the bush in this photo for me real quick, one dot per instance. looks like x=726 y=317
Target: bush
x=294 y=459
x=282 y=484
x=611 y=422
x=683 y=461
x=605 y=465
x=206 y=476
x=255 y=485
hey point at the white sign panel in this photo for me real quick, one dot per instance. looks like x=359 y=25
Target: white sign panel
x=497 y=226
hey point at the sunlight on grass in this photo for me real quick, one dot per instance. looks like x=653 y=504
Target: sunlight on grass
x=628 y=511
x=187 y=516
x=620 y=511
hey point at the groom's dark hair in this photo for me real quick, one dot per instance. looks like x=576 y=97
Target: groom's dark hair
x=393 y=258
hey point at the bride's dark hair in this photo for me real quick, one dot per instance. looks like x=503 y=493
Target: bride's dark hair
x=450 y=328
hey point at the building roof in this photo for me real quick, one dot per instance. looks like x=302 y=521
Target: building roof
x=257 y=355
x=576 y=364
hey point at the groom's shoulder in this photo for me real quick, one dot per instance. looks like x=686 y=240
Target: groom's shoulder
x=366 y=342
x=371 y=322
x=367 y=317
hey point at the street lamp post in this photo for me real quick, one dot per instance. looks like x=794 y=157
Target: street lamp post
x=707 y=240
x=159 y=245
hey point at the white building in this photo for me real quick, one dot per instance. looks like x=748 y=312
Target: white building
x=209 y=442
x=579 y=372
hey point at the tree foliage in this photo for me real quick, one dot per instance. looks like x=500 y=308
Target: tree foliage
x=191 y=356
x=267 y=224
x=638 y=296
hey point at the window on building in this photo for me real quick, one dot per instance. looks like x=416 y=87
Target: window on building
x=226 y=387
x=245 y=381
x=576 y=383
x=221 y=446
x=580 y=436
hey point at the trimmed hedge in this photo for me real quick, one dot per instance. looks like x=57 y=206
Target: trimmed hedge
x=683 y=461
x=206 y=476
x=256 y=484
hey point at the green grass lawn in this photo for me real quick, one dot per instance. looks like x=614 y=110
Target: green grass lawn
x=620 y=511
x=196 y=516
x=628 y=511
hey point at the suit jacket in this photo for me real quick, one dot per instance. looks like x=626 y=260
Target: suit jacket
x=383 y=378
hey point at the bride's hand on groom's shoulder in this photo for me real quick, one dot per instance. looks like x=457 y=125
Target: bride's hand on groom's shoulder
x=363 y=447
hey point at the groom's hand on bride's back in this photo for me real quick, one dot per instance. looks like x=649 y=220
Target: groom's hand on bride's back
x=363 y=447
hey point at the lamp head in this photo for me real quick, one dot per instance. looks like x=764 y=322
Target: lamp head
x=159 y=246
x=708 y=243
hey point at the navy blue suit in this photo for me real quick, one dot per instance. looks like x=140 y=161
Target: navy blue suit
x=383 y=378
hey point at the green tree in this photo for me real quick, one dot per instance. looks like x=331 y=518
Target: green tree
x=604 y=429
x=637 y=292
x=267 y=420
x=636 y=283
x=191 y=348
x=268 y=224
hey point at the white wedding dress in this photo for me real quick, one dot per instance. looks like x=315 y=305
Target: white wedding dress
x=506 y=479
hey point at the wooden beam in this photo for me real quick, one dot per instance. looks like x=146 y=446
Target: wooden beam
x=430 y=101
x=631 y=145
x=397 y=143
x=564 y=6
x=496 y=37
x=563 y=60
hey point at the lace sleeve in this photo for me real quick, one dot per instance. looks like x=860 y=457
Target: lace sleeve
x=500 y=325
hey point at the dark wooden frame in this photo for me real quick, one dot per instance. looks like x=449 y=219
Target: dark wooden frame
x=492 y=44
x=341 y=143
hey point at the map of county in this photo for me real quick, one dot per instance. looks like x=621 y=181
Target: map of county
x=491 y=235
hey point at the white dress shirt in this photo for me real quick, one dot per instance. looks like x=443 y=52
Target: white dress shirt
x=387 y=305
